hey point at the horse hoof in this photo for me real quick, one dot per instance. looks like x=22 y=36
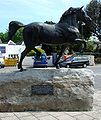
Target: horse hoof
x=21 y=69
x=57 y=67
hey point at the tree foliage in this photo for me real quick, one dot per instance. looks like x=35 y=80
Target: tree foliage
x=33 y=53
x=90 y=46
x=93 y=9
x=3 y=36
x=17 y=37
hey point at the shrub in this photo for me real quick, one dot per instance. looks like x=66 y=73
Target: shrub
x=97 y=60
x=33 y=53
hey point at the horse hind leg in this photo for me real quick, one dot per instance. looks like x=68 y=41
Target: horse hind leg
x=63 y=47
x=23 y=54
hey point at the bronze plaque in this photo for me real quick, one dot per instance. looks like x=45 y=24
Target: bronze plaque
x=42 y=90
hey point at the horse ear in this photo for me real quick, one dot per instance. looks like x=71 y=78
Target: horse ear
x=81 y=7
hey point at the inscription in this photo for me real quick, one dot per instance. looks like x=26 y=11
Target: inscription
x=42 y=90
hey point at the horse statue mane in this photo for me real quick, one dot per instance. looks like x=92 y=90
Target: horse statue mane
x=69 y=12
x=64 y=33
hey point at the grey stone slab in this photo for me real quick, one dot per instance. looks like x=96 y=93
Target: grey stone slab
x=49 y=117
x=22 y=114
x=66 y=117
x=10 y=118
x=28 y=118
x=73 y=90
x=84 y=117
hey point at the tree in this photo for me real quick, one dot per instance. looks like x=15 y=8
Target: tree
x=3 y=37
x=91 y=46
x=93 y=9
x=18 y=36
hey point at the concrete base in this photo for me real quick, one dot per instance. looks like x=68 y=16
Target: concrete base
x=73 y=90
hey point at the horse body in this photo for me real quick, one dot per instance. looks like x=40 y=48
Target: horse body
x=64 y=33
x=43 y=33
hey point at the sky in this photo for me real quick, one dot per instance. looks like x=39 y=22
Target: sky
x=27 y=11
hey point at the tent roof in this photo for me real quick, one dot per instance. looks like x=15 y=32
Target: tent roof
x=10 y=42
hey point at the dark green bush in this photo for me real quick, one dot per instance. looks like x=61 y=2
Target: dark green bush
x=98 y=60
x=33 y=53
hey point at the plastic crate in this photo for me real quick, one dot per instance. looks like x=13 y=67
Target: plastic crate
x=10 y=62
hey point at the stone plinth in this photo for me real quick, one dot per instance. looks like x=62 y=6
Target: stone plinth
x=73 y=89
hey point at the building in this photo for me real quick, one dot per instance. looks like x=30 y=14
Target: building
x=11 y=50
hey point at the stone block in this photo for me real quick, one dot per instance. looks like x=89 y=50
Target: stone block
x=72 y=90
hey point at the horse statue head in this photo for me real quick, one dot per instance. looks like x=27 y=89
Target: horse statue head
x=72 y=15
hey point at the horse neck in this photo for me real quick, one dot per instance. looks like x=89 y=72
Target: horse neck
x=70 y=20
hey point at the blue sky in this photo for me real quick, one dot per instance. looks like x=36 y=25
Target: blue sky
x=27 y=11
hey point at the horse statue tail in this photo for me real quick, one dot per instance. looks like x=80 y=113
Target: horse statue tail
x=12 y=29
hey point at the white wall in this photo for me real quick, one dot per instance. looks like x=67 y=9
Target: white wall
x=12 y=49
x=28 y=61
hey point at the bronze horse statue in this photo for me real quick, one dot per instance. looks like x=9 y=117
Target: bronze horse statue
x=64 y=33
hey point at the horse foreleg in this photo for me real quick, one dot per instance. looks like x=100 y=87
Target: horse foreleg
x=63 y=47
x=83 y=45
x=37 y=51
x=23 y=54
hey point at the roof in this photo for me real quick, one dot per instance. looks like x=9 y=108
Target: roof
x=10 y=42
